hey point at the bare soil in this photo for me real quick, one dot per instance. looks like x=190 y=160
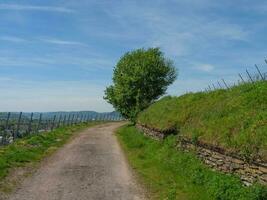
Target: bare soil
x=90 y=167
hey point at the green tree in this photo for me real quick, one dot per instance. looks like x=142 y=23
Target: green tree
x=140 y=77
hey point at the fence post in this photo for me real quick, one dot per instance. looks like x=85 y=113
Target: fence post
x=71 y=123
x=68 y=121
x=59 y=121
x=85 y=118
x=74 y=119
x=30 y=124
x=4 y=139
x=39 y=122
x=94 y=117
x=18 y=127
x=77 y=119
x=259 y=72
x=53 y=122
x=241 y=78
x=64 y=120
x=210 y=88
x=225 y=84
x=7 y=120
x=220 y=85
x=249 y=76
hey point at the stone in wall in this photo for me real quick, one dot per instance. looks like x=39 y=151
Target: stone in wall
x=157 y=135
x=248 y=172
x=217 y=158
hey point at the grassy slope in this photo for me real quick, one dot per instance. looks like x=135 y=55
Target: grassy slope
x=33 y=148
x=235 y=119
x=171 y=174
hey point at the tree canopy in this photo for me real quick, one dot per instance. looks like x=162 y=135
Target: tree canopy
x=140 y=77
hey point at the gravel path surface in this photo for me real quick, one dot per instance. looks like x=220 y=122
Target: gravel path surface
x=91 y=167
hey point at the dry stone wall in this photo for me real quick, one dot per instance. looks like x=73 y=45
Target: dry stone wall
x=218 y=159
x=157 y=135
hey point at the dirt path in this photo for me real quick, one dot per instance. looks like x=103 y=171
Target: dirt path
x=90 y=167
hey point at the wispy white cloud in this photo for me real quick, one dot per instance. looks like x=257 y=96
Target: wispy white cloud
x=12 y=39
x=177 y=35
x=63 y=42
x=255 y=7
x=5 y=79
x=20 y=7
x=89 y=63
x=205 y=67
x=24 y=61
x=45 y=40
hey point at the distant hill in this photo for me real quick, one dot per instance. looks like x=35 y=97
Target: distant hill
x=49 y=115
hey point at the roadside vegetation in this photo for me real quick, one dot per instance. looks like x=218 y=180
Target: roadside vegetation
x=171 y=174
x=35 y=147
x=234 y=119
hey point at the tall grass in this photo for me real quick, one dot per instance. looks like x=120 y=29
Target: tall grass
x=234 y=118
x=172 y=174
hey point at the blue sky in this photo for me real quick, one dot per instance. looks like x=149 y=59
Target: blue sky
x=59 y=54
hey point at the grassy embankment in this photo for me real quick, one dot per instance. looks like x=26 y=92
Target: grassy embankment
x=172 y=174
x=33 y=148
x=234 y=119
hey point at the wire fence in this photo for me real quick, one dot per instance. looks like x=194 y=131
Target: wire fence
x=18 y=125
x=257 y=75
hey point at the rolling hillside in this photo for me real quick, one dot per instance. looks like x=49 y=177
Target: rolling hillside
x=234 y=119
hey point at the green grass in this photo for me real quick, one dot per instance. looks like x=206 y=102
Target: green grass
x=234 y=119
x=172 y=174
x=33 y=148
